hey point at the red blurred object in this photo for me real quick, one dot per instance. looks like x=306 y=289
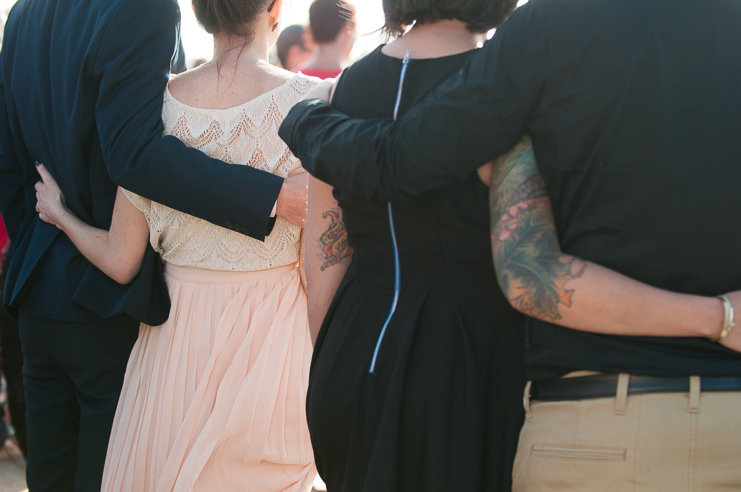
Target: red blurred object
x=3 y=235
x=322 y=74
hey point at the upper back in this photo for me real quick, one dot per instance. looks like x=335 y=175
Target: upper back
x=377 y=75
x=211 y=86
x=241 y=134
x=431 y=231
x=636 y=133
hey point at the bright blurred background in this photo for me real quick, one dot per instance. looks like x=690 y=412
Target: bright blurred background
x=198 y=43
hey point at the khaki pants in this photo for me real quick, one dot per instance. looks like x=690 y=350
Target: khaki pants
x=671 y=442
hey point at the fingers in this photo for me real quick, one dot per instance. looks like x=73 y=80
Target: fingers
x=46 y=218
x=293 y=199
x=39 y=186
x=321 y=91
x=334 y=86
x=45 y=176
x=39 y=197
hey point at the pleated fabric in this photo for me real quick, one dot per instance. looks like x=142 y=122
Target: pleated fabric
x=213 y=400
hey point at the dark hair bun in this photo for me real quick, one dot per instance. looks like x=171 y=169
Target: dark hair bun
x=228 y=16
x=479 y=15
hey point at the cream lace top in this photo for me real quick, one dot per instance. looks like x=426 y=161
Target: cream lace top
x=242 y=135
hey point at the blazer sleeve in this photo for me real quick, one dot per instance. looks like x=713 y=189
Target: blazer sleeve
x=133 y=65
x=471 y=119
x=12 y=177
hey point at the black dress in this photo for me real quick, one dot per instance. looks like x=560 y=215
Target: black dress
x=443 y=409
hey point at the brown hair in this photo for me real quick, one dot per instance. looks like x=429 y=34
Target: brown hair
x=479 y=15
x=328 y=17
x=229 y=16
x=289 y=37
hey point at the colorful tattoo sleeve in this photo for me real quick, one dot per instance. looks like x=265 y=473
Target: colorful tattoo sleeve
x=333 y=245
x=531 y=269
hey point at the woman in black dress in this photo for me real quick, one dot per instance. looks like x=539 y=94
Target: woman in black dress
x=427 y=396
x=441 y=410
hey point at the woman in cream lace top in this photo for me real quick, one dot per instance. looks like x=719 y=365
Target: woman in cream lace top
x=244 y=134
x=213 y=400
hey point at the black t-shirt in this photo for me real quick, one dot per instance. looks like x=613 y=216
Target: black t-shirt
x=637 y=134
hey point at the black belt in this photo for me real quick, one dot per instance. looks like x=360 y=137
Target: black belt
x=605 y=385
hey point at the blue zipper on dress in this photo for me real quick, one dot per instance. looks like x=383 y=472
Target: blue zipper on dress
x=397 y=265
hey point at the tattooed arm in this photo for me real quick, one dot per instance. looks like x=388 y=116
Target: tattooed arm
x=545 y=283
x=328 y=253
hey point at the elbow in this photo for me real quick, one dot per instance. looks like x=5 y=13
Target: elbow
x=518 y=306
x=123 y=278
x=513 y=300
x=125 y=274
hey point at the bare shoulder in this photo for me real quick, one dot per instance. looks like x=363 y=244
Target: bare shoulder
x=220 y=87
x=275 y=74
x=195 y=86
x=294 y=85
x=301 y=83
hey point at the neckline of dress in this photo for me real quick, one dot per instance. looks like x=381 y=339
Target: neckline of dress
x=245 y=104
x=417 y=60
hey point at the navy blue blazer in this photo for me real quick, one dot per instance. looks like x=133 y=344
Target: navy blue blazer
x=82 y=83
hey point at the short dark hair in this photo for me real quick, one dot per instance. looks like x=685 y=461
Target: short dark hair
x=479 y=15
x=229 y=16
x=290 y=36
x=328 y=17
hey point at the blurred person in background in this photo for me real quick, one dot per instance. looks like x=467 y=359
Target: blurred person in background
x=332 y=25
x=292 y=47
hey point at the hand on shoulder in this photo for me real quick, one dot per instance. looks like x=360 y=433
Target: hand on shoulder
x=324 y=90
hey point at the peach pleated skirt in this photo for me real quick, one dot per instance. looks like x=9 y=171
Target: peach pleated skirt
x=213 y=400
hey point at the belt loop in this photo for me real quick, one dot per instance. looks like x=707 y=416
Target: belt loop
x=694 y=406
x=621 y=396
x=526 y=400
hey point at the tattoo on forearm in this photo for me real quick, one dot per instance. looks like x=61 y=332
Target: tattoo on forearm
x=531 y=269
x=334 y=248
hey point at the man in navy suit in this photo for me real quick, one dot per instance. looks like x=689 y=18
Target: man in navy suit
x=82 y=85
